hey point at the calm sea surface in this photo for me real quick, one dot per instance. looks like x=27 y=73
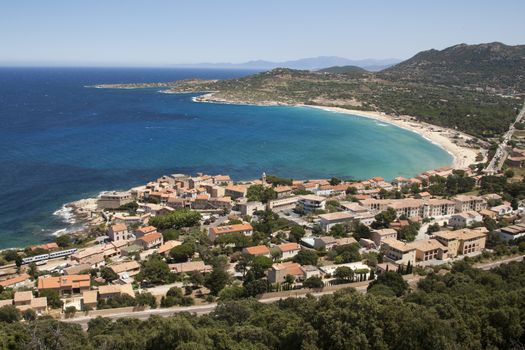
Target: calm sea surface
x=60 y=141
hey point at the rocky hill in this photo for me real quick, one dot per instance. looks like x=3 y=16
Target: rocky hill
x=493 y=67
x=343 y=70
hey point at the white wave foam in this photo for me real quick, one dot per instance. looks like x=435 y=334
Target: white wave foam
x=66 y=215
x=59 y=232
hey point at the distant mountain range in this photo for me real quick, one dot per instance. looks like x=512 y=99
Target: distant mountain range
x=313 y=63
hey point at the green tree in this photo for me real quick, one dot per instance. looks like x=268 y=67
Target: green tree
x=256 y=287
x=9 y=314
x=260 y=193
x=170 y=234
x=182 y=253
x=392 y=280
x=32 y=270
x=176 y=219
x=335 y=181
x=108 y=274
x=344 y=274
x=146 y=298
x=232 y=293
x=408 y=232
x=53 y=298
x=63 y=241
x=259 y=265
x=347 y=253
x=29 y=315
x=70 y=311
x=384 y=218
x=216 y=280
x=296 y=233
x=313 y=282
x=155 y=271
x=433 y=228
x=339 y=230
x=306 y=257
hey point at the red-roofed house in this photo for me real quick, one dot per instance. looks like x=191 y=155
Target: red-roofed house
x=214 y=232
x=259 y=250
x=66 y=285
x=151 y=240
x=15 y=282
x=278 y=272
x=141 y=232
x=289 y=250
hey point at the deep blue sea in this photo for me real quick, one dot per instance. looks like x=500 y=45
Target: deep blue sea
x=61 y=141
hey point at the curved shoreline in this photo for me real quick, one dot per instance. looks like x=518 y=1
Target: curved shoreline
x=462 y=156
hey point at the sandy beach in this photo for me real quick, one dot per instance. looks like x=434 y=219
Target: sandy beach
x=445 y=138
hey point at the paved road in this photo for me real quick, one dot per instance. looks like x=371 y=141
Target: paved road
x=198 y=310
x=497 y=161
x=205 y=309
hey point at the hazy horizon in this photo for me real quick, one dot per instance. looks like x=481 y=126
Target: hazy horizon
x=162 y=33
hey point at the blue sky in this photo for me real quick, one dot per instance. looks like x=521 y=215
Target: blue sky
x=158 y=32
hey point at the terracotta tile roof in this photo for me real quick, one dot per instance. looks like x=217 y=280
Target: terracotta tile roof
x=287 y=247
x=427 y=245
x=71 y=281
x=313 y=198
x=90 y=296
x=394 y=243
x=38 y=302
x=257 y=250
x=190 y=266
x=119 y=228
x=345 y=240
x=109 y=289
x=230 y=228
x=147 y=229
x=280 y=189
x=47 y=246
x=125 y=266
x=222 y=178
x=464 y=234
x=23 y=296
x=290 y=268
x=168 y=245
x=339 y=215
x=237 y=188
x=385 y=232
x=9 y=282
x=151 y=237
x=377 y=179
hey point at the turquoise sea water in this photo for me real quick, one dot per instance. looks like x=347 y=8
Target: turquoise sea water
x=60 y=141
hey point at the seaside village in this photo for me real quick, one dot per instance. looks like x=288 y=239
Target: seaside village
x=184 y=240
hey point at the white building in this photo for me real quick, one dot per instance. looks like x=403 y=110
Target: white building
x=465 y=218
x=327 y=221
x=311 y=203
x=288 y=250
x=513 y=232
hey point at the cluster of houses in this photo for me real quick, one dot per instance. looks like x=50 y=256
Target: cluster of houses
x=130 y=238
